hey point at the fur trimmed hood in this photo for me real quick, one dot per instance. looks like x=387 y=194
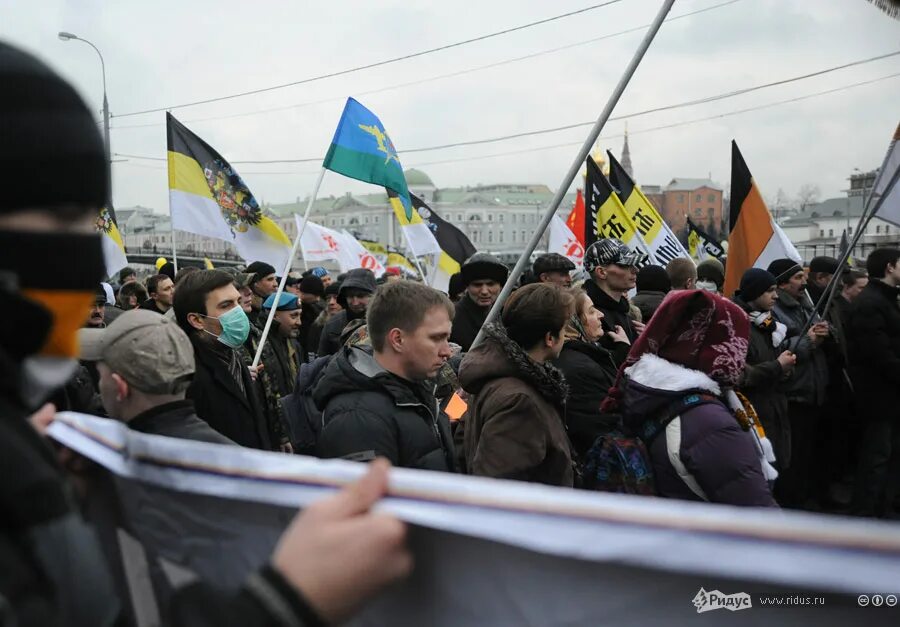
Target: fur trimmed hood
x=498 y=356
x=653 y=383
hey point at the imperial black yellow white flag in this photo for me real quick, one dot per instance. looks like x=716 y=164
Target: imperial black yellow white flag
x=113 y=247
x=207 y=197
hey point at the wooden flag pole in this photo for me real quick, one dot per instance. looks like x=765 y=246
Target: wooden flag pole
x=576 y=166
x=287 y=269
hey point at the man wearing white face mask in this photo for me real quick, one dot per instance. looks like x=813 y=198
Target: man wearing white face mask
x=208 y=309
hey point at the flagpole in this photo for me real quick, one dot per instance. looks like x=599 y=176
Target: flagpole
x=287 y=269
x=414 y=256
x=576 y=166
x=863 y=224
x=174 y=250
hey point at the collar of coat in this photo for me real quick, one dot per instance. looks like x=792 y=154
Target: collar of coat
x=603 y=299
x=545 y=378
x=362 y=360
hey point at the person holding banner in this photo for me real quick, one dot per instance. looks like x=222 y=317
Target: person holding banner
x=333 y=557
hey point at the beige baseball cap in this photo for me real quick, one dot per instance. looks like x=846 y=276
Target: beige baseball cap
x=148 y=350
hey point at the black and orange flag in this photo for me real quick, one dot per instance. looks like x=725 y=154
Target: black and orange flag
x=754 y=239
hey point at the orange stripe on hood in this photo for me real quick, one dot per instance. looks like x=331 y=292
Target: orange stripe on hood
x=70 y=310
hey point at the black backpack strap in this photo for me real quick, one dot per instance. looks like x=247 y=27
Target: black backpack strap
x=652 y=427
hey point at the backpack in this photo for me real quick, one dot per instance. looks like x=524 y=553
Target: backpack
x=619 y=462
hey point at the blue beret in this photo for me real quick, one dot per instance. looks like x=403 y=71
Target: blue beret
x=287 y=302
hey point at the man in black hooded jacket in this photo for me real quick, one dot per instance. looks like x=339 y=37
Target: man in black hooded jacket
x=355 y=292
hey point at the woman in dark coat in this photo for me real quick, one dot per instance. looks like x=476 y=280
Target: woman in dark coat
x=590 y=371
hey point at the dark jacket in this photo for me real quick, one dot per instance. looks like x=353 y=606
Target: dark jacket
x=149 y=305
x=515 y=425
x=369 y=412
x=314 y=336
x=176 y=420
x=807 y=383
x=761 y=383
x=303 y=418
x=467 y=322
x=590 y=372
x=53 y=568
x=308 y=316
x=705 y=439
x=614 y=314
x=219 y=400
x=873 y=334
x=647 y=301
x=330 y=340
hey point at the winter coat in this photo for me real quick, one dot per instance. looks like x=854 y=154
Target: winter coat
x=515 y=425
x=614 y=314
x=873 y=344
x=590 y=372
x=270 y=382
x=369 y=412
x=149 y=305
x=236 y=414
x=647 y=301
x=761 y=383
x=314 y=336
x=308 y=316
x=54 y=569
x=807 y=383
x=176 y=420
x=303 y=418
x=704 y=445
x=330 y=340
x=467 y=322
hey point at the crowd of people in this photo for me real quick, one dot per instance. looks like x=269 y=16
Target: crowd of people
x=624 y=376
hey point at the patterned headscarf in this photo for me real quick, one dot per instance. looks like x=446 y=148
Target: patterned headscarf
x=695 y=329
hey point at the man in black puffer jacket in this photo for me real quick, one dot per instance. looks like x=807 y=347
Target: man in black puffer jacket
x=378 y=401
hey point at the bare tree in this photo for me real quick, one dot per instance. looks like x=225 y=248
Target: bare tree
x=808 y=195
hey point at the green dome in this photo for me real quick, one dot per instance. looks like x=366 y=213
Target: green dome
x=417 y=178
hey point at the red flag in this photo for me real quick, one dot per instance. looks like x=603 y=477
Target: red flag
x=575 y=221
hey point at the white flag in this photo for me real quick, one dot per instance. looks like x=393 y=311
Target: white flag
x=355 y=255
x=564 y=242
x=890 y=206
x=319 y=243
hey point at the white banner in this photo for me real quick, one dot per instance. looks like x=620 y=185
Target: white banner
x=563 y=241
x=491 y=552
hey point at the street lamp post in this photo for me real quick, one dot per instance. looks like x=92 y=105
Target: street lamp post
x=64 y=36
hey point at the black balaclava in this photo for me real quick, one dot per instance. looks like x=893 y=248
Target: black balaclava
x=53 y=152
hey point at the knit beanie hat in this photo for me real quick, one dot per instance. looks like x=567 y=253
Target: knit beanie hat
x=51 y=148
x=312 y=285
x=784 y=269
x=755 y=283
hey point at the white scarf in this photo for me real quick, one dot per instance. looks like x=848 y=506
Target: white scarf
x=759 y=318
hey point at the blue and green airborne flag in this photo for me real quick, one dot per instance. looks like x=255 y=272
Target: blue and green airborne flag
x=362 y=149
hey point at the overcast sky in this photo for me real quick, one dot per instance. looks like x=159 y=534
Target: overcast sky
x=163 y=53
